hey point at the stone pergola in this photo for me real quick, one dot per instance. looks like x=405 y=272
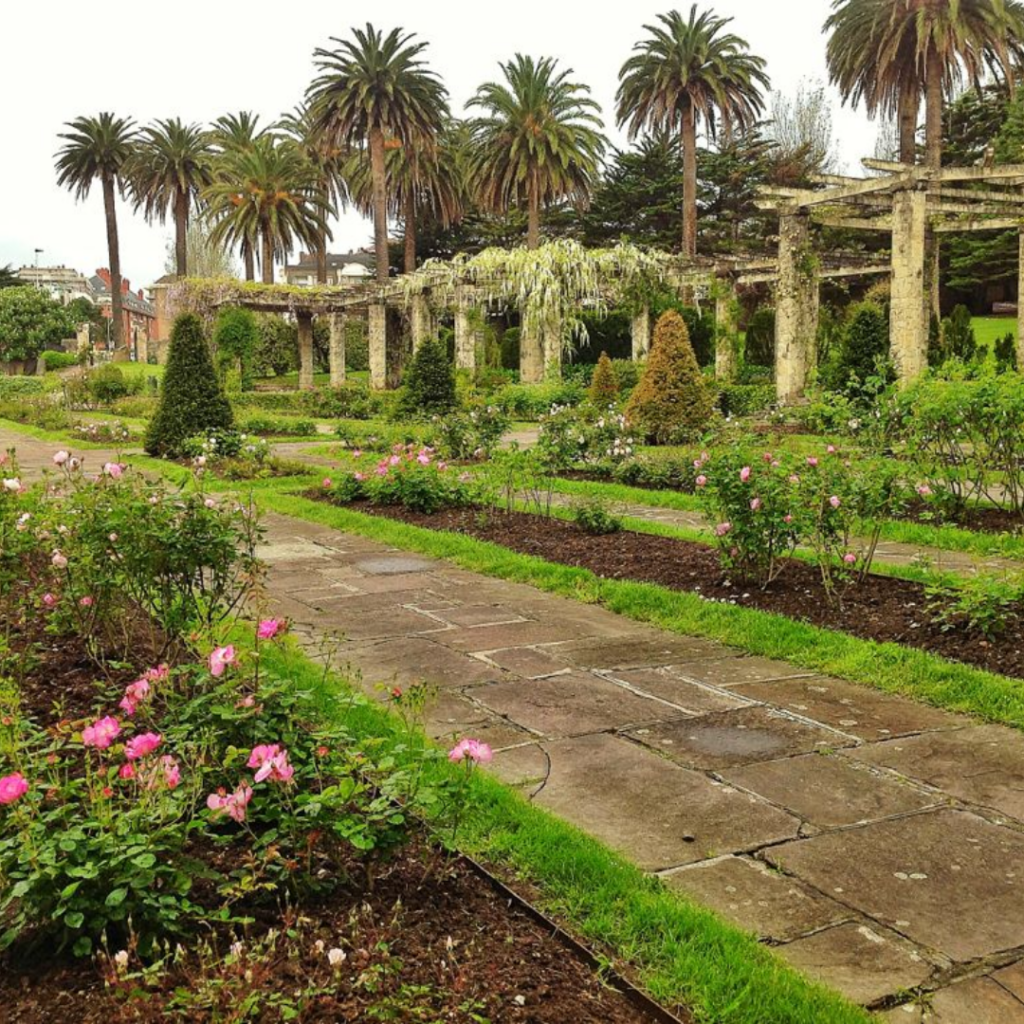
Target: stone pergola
x=912 y=204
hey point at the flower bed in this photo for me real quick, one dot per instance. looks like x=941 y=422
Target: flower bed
x=198 y=836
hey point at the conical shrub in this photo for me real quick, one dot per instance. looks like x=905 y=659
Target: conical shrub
x=604 y=385
x=192 y=400
x=429 y=385
x=672 y=401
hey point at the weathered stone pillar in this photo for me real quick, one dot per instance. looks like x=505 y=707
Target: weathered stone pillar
x=552 y=336
x=1020 y=302
x=421 y=321
x=531 y=353
x=339 y=324
x=641 y=333
x=465 y=334
x=909 y=304
x=305 y=321
x=725 y=329
x=796 y=307
x=377 y=339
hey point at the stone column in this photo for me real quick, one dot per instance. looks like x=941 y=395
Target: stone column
x=796 y=307
x=1020 y=302
x=421 y=321
x=552 y=339
x=641 y=333
x=909 y=304
x=465 y=334
x=377 y=337
x=725 y=329
x=531 y=353
x=305 y=351
x=339 y=323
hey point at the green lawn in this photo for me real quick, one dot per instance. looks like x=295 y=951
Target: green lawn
x=989 y=329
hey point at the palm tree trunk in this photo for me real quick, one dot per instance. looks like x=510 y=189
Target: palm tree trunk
x=268 y=259
x=378 y=174
x=908 y=125
x=181 y=234
x=114 y=254
x=533 y=224
x=689 y=181
x=321 y=259
x=933 y=113
x=410 y=233
x=250 y=262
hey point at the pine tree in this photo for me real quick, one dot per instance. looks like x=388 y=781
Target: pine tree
x=672 y=401
x=192 y=400
x=429 y=381
x=604 y=386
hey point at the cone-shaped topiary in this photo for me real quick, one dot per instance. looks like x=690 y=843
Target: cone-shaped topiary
x=604 y=385
x=671 y=402
x=429 y=381
x=192 y=400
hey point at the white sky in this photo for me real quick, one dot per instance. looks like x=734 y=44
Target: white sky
x=198 y=59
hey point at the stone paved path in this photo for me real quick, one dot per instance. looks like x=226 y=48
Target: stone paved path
x=877 y=843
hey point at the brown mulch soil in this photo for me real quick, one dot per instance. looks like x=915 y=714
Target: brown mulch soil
x=451 y=933
x=882 y=608
x=984 y=520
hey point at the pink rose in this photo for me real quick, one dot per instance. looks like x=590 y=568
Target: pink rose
x=114 y=470
x=61 y=457
x=850 y=558
x=142 y=745
x=811 y=460
x=231 y=804
x=49 y=600
x=834 y=501
x=269 y=628
x=722 y=529
x=12 y=787
x=755 y=504
x=924 y=490
x=831 y=449
x=744 y=474
x=357 y=453
x=126 y=772
x=172 y=772
x=221 y=659
x=475 y=750
x=328 y=483
x=102 y=733
x=787 y=519
x=701 y=481
x=59 y=561
x=85 y=602
x=271 y=763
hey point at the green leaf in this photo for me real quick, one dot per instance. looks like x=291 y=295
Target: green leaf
x=83 y=947
x=144 y=860
x=116 y=897
x=75 y=919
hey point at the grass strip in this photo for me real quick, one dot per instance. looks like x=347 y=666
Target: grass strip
x=886 y=666
x=682 y=953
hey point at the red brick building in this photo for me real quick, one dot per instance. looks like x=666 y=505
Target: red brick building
x=139 y=315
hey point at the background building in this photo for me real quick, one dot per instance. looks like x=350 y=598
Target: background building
x=349 y=266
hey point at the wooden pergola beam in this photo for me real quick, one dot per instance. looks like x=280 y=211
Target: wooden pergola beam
x=993 y=224
x=985 y=195
x=831 y=220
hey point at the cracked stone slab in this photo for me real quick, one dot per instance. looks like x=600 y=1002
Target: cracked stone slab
x=726 y=739
x=480 y=615
x=978 y=1001
x=453 y=716
x=690 y=697
x=655 y=813
x=947 y=879
x=981 y=765
x=513 y=634
x=388 y=565
x=757 y=899
x=1012 y=979
x=570 y=705
x=736 y=670
x=862 y=961
x=637 y=651
x=525 y=661
x=857 y=710
x=417 y=660
x=829 y=791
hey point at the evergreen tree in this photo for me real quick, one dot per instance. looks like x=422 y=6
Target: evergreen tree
x=235 y=336
x=192 y=400
x=672 y=401
x=604 y=385
x=429 y=381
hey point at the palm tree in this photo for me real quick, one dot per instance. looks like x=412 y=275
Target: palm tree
x=327 y=161
x=170 y=169
x=9 y=278
x=375 y=91
x=100 y=148
x=540 y=142
x=686 y=71
x=271 y=195
x=233 y=133
x=432 y=182
x=887 y=52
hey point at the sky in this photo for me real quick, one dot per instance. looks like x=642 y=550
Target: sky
x=198 y=59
